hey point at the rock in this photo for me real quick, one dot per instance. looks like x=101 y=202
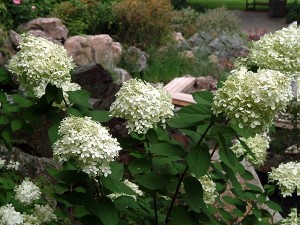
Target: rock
x=180 y=40
x=93 y=49
x=206 y=83
x=15 y=38
x=117 y=52
x=93 y=78
x=121 y=75
x=107 y=98
x=30 y=166
x=49 y=28
x=189 y=55
x=136 y=59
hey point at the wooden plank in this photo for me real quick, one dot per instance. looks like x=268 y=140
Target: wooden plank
x=180 y=84
x=182 y=99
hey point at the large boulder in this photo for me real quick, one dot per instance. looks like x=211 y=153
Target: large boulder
x=49 y=28
x=98 y=81
x=98 y=49
x=136 y=59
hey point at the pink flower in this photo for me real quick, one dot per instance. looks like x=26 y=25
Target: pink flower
x=17 y=2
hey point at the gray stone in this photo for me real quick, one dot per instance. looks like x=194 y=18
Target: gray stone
x=136 y=59
x=46 y=27
x=121 y=75
x=98 y=49
x=93 y=78
x=15 y=38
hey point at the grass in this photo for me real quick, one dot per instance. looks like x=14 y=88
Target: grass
x=229 y=4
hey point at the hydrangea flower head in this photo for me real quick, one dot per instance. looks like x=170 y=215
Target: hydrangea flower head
x=142 y=105
x=287 y=177
x=209 y=189
x=40 y=62
x=258 y=145
x=44 y=213
x=292 y=218
x=278 y=51
x=251 y=100
x=27 y=192
x=9 y=216
x=87 y=142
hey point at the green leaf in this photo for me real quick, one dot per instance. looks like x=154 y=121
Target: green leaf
x=194 y=136
x=124 y=202
x=235 y=202
x=203 y=97
x=6 y=134
x=261 y=198
x=3 y=98
x=167 y=149
x=139 y=165
x=117 y=170
x=199 y=160
x=71 y=177
x=90 y=220
x=79 y=97
x=254 y=188
x=273 y=205
x=3 y=74
x=73 y=112
x=116 y=186
x=53 y=133
x=99 y=115
x=193 y=194
x=105 y=209
x=9 y=108
x=182 y=216
x=53 y=94
x=153 y=181
x=190 y=115
x=245 y=146
x=80 y=211
x=22 y=101
x=16 y=124
x=4 y=120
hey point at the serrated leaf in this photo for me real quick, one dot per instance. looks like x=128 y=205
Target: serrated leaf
x=193 y=193
x=4 y=120
x=198 y=160
x=73 y=112
x=99 y=115
x=182 y=216
x=105 y=209
x=190 y=115
x=139 y=165
x=273 y=205
x=16 y=124
x=203 y=97
x=167 y=149
x=116 y=186
x=79 y=97
x=6 y=134
x=153 y=181
x=53 y=133
x=22 y=101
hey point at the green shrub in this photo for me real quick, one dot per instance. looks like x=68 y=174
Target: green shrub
x=77 y=15
x=293 y=12
x=219 y=20
x=179 y=4
x=5 y=18
x=28 y=10
x=185 y=20
x=143 y=22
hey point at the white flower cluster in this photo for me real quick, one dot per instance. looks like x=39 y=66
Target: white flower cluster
x=40 y=62
x=209 y=189
x=258 y=145
x=27 y=192
x=133 y=186
x=142 y=105
x=251 y=100
x=279 y=51
x=10 y=165
x=88 y=142
x=287 y=177
x=40 y=214
x=292 y=218
x=9 y=216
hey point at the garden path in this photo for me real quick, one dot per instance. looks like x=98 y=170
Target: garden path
x=261 y=21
